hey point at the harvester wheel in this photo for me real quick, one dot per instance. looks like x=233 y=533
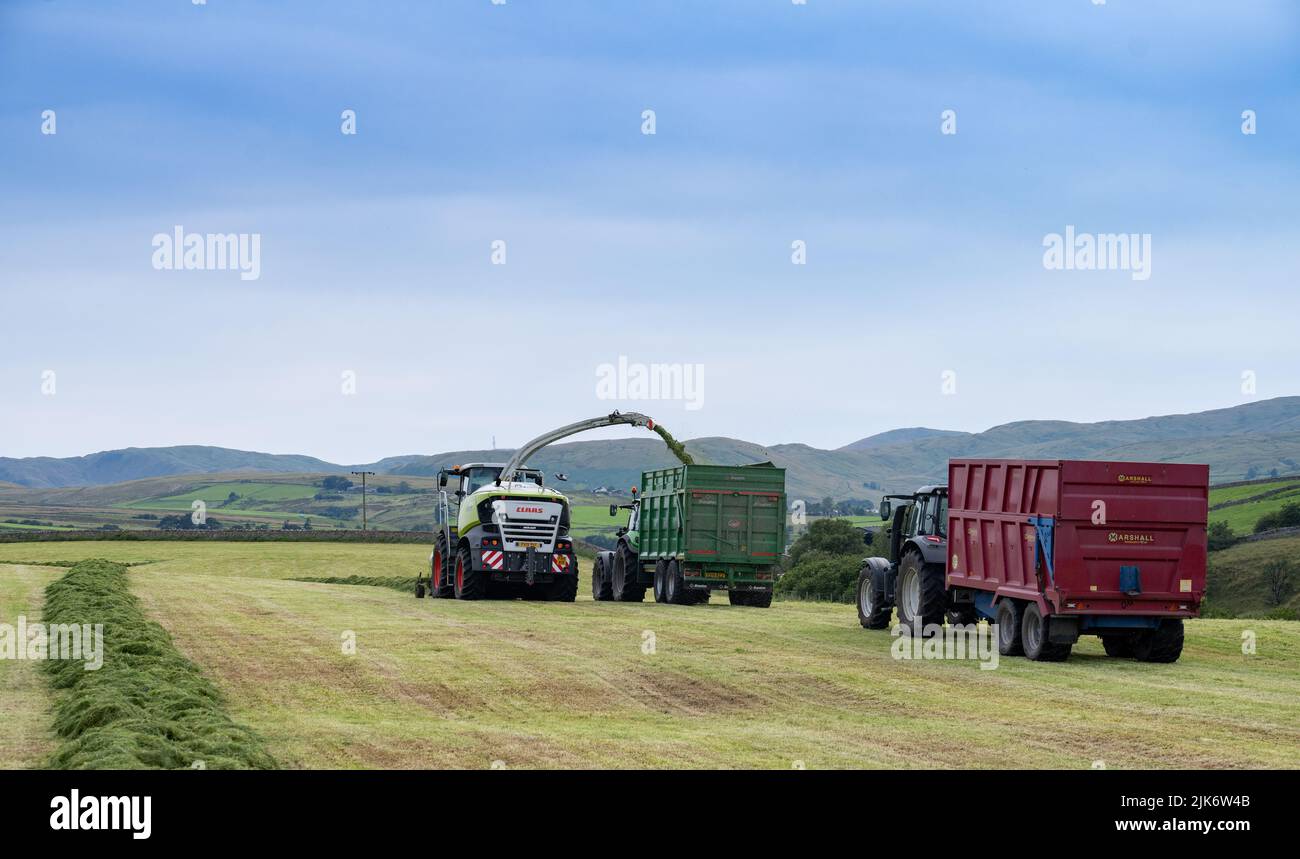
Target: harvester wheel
x=871 y=613
x=1162 y=644
x=661 y=571
x=922 y=594
x=1009 y=643
x=675 y=585
x=1118 y=646
x=440 y=572
x=564 y=588
x=1035 y=637
x=626 y=587
x=470 y=583
x=601 y=588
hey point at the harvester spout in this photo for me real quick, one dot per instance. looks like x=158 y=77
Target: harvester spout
x=521 y=456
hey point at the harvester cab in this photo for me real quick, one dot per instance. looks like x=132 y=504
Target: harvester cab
x=913 y=577
x=501 y=532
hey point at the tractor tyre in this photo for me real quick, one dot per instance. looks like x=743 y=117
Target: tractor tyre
x=1035 y=637
x=1162 y=644
x=922 y=596
x=626 y=587
x=1009 y=643
x=470 y=584
x=872 y=613
x=601 y=588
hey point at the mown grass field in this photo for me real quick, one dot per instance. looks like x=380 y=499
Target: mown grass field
x=25 y=731
x=437 y=683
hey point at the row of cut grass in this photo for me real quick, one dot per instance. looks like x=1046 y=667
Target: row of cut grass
x=147 y=706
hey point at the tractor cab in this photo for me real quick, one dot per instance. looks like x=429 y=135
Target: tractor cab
x=919 y=519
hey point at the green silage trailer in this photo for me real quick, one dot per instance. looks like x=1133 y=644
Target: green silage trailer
x=698 y=528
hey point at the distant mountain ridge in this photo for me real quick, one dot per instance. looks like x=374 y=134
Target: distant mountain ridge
x=1247 y=440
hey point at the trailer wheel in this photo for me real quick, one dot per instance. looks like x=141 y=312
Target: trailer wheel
x=1035 y=637
x=759 y=599
x=626 y=588
x=922 y=593
x=675 y=585
x=1119 y=646
x=700 y=597
x=871 y=613
x=1009 y=643
x=470 y=583
x=1162 y=644
x=601 y=588
x=660 y=572
x=738 y=597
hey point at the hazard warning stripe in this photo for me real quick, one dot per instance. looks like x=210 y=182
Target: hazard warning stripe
x=559 y=563
x=493 y=560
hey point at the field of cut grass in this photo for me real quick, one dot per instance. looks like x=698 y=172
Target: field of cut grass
x=434 y=683
x=25 y=718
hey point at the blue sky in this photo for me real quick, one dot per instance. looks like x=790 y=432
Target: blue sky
x=522 y=122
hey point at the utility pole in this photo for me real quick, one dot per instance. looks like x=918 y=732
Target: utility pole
x=363 y=474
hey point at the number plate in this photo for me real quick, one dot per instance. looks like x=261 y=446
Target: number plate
x=528 y=544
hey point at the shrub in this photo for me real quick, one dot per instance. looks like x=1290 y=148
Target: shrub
x=822 y=575
x=1220 y=536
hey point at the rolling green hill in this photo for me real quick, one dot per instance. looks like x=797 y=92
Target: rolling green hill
x=1239 y=442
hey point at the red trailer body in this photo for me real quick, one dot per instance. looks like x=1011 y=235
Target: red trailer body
x=1101 y=540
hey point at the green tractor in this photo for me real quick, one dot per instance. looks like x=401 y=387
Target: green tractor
x=501 y=533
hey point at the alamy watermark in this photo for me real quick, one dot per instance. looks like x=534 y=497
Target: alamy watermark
x=955 y=641
x=628 y=380
x=38 y=642
x=182 y=251
x=1074 y=251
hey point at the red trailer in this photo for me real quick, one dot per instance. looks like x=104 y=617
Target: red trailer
x=1055 y=549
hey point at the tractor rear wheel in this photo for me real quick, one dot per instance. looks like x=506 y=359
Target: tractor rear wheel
x=1009 y=643
x=470 y=583
x=872 y=613
x=1162 y=644
x=675 y=585
x=601 y=588
x=626 y=587
x=661 y=569
x=922 y=596
x=1035 y=636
